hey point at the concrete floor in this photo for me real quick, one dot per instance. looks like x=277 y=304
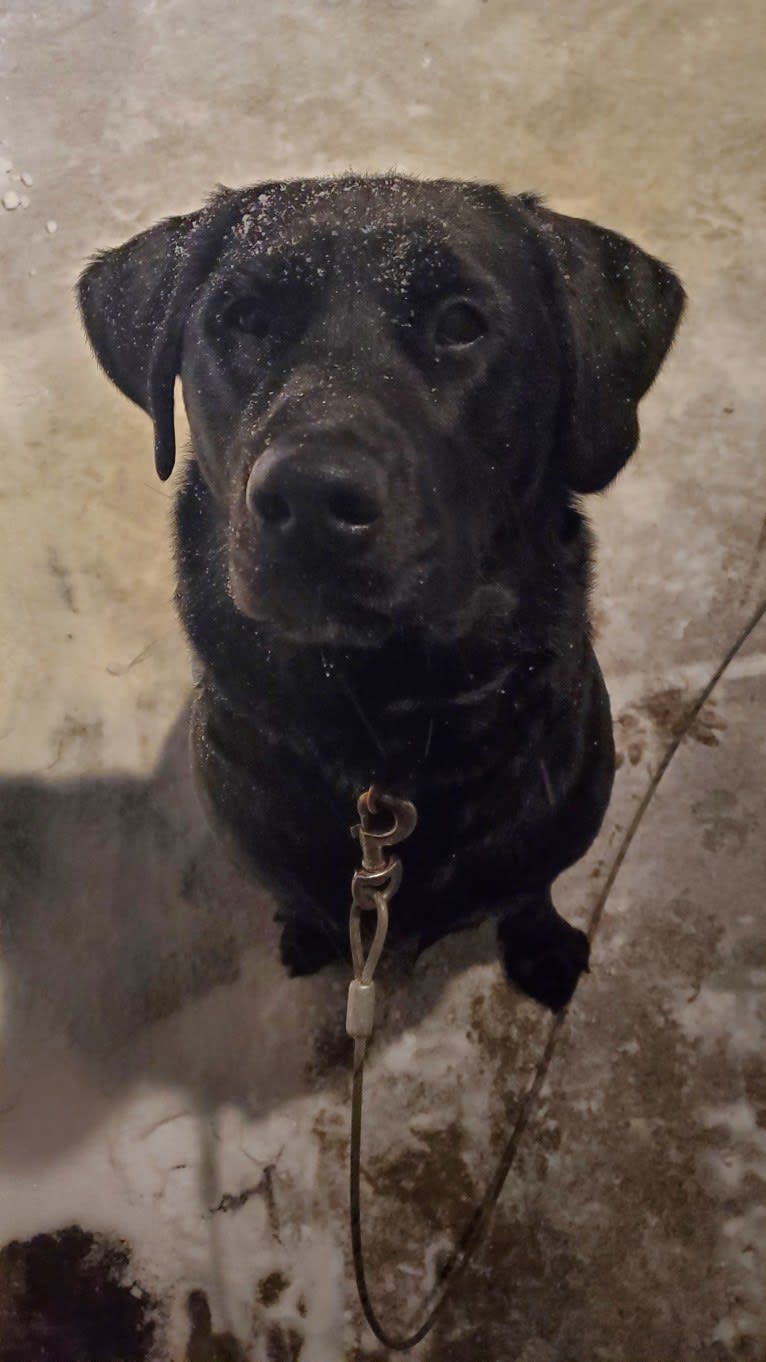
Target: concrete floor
x=163 y=1085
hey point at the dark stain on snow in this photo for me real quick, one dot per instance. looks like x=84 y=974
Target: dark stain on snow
x=71 y=1296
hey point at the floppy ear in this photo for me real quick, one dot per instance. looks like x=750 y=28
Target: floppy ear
x=622 y=308
x=127 y=298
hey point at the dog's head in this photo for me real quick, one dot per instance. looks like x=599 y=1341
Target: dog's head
x=392 y=385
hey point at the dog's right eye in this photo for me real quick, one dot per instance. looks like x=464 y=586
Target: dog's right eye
x=249 y=315
x=458 y=324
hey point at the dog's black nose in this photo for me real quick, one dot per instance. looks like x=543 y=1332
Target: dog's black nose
x=295 y=494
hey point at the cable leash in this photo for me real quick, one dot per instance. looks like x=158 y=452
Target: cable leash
x=373 y=886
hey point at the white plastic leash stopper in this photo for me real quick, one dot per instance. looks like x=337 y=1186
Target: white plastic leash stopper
x=360 y=1012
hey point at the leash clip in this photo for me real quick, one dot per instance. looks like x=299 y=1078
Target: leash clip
x=384 y=822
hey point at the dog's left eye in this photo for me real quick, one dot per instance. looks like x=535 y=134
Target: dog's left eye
x=458 y=324
x=249 y=315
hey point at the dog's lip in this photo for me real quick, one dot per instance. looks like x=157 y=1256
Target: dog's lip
x=275 y=611
x=365 y=628
x=369 y=584
x=364 y=599
x=314 y=614
x=271 y=582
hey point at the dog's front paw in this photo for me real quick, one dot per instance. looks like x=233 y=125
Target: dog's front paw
x=543 y=955
x=304 y=949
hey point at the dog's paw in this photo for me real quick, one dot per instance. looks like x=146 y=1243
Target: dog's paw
x=304 y=949
x=544 y=957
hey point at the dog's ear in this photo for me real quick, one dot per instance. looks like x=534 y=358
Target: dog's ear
x=622 y=308
x=126 y=298
x=134 y=301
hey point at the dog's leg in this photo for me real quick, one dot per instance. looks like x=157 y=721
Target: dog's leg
x=543 y=955
x=305 y=948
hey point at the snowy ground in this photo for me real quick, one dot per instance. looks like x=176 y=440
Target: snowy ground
x=163 y=1084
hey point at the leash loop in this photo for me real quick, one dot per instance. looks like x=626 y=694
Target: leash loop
x=366 y=965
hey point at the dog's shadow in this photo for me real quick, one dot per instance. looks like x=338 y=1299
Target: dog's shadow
x=132 y=945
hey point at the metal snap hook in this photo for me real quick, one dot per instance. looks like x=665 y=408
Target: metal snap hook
x=373 y=886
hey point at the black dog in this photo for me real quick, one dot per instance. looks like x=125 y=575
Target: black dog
x=396 y=391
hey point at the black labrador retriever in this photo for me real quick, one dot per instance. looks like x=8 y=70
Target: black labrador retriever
x=397 y=391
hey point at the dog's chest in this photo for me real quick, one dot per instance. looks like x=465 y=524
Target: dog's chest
x=286 y=792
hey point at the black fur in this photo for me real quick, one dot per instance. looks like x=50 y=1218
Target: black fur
x=456 y=366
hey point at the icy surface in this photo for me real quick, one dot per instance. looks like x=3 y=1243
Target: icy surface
x=163 y=1082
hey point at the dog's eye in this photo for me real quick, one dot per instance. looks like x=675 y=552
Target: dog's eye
x=458 y=324
x=249 y=315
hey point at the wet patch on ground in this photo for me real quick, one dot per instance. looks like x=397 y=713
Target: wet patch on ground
x=72 y=1297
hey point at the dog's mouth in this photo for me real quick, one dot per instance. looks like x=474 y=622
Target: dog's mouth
x=314 y=617
x=301 y=605
x=363 y=607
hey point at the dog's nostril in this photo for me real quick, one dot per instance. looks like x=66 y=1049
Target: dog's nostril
x=272 y=508
x=353 y=508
